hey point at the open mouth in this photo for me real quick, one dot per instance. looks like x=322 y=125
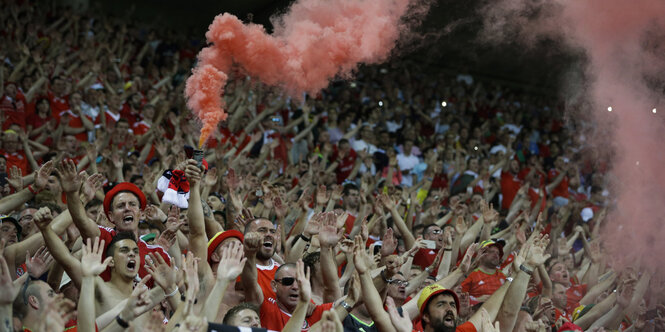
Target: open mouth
x=131 y=265
x=128 y=220
x=293 y=297
x=449 y=320
x=267 y=244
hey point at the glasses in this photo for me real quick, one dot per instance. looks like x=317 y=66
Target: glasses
x=286 y=281
x=436 y=231
x=399 y=283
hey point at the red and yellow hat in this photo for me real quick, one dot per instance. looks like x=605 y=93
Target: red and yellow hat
x=219 y=238
x=432 y=290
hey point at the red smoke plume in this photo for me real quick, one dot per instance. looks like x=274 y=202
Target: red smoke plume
x=624 y=45
x=315 y=41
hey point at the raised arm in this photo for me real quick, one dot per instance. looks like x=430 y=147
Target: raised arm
x=328 y=239
x=409 y=240
x=253 y=292
x=58 y=248
x=230 y=266
x=297 y=319
x=371 y=296
x=531 y=256
x=91 y=267
x=198 y=240
x=14 y=201
x=71 y=182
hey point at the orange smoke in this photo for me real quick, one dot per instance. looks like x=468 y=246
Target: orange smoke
x=315 y=41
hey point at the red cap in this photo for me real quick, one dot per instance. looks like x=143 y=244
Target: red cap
x=123 y=187
x=220 y=237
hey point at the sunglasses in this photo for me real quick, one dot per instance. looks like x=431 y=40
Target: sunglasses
x=286 y=281
x=437 y=231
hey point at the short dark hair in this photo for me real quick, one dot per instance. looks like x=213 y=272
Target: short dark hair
x=310 y=260
x=117 y=238
x=235 y=310
x=348 y=187
x=426 y=229
x=93 y=202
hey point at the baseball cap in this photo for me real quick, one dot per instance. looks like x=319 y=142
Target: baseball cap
x=494 y=242
x=431 y=291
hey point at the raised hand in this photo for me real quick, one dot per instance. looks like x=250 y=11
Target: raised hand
x=468 y=256
x=232 y=261
x=39 y=263
x=192 y=172
x=15 y=178
x=168 y=237
x=328 y=231
x=321 y=195
x=536 y=255
x=361 y=259
x=41 y=178
x=304 y=286
x=9 y=290
x=70 y=180
x=211 y=178
x=489 y=214
x=191 y=266
x=92 y=184
x=401 y=323
x=154 y=214
x=139 y=302
x=314 y=224
x=163 y=274
x=281 y=209
x=232 y=181
x=42 y=218
x=91 y=259
x=389 y=243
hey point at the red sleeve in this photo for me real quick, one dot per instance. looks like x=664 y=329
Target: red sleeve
x=466 y=327
x=318 y=313
x=466 y=284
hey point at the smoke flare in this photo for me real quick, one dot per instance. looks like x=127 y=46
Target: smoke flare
x=315 y=41
x=624 y=45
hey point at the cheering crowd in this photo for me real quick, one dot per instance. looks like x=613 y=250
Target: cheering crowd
x=404 y=200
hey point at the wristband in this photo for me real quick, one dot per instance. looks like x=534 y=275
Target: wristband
x=32 y=190
x=447 y=249
x=175 y=291
x=346 y=306
x=526 y=270
x=306 y=239
x=121 y=322
x=428 y=269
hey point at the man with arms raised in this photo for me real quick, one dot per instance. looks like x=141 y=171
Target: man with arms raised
x=123 y=251
x=122 y=204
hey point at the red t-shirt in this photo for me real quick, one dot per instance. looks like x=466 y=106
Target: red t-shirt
x=107 y=235
x=478 y=284
x=575 y=293
x=266 y=274
x=535 y=196
x=466 y=327
x=13 y=110
x=17 y=159
x=346 y=164
x=58 y=105
x=562 y=189
x=274 y=318
x=76 y=123
x=510 y=184
x=424 y=257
